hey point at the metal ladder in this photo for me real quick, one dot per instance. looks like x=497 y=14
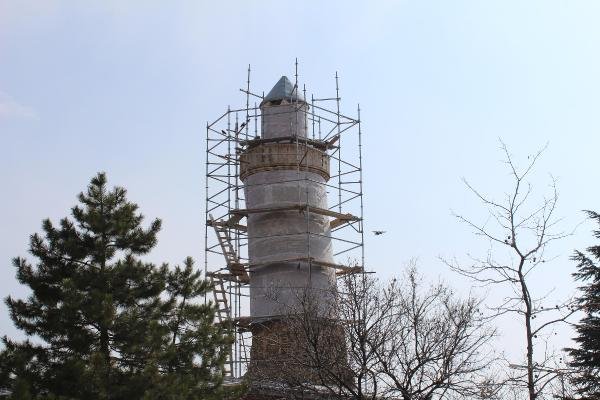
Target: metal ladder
x=236 y=273
x=220 y=294
x=223 y=314
x=223 y=311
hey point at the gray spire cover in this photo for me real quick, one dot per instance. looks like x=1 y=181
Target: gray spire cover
x=283 y=89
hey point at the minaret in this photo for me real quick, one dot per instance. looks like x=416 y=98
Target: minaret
x=267 y=185
x=289 y=244
x=285 y=235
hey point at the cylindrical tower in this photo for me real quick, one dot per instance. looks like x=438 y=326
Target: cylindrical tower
x=284 y=179
x=267 y=185
x=289 y=243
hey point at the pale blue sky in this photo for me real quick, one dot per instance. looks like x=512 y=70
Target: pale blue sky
x=128 y=86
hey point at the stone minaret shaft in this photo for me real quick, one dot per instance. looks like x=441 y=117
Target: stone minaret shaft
x=289 y=244
x=284 y=178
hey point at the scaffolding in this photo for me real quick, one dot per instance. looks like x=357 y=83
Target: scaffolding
x=229 y=139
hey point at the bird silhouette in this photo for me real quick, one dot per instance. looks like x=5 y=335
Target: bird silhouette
x=377 y=233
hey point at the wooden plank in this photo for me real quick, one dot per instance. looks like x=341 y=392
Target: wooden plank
x=232 y=223
x=309 y=259
x=340 y=267
x=320 y=144
x=228 y=277
x=285 y=260
x=329 y=213
x=238 y=270
x=298 y=207
x=334 y=223
x=352 y=270
x=247 y=211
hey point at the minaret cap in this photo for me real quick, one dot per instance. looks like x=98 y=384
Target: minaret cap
x=283 y=90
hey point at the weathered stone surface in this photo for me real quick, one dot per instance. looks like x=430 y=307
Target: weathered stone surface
x=293 y=351
x=284 y=156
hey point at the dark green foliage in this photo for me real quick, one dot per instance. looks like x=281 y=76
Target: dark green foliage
x=586 y=358
x=104 y=324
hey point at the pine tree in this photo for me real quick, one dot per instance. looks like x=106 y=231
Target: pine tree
x=188 y=364
x=102 y=323
x=586 y=358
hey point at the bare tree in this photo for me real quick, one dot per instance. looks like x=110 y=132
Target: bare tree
x=328 y=353
x=526 y=230
x=398 y=340
x=436 y=344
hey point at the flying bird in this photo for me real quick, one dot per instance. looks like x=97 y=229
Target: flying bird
x=377 y=233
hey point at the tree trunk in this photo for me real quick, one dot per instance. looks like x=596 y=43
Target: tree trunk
x=529 y=336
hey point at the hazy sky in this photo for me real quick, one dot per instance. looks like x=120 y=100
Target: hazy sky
x=127 y=87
